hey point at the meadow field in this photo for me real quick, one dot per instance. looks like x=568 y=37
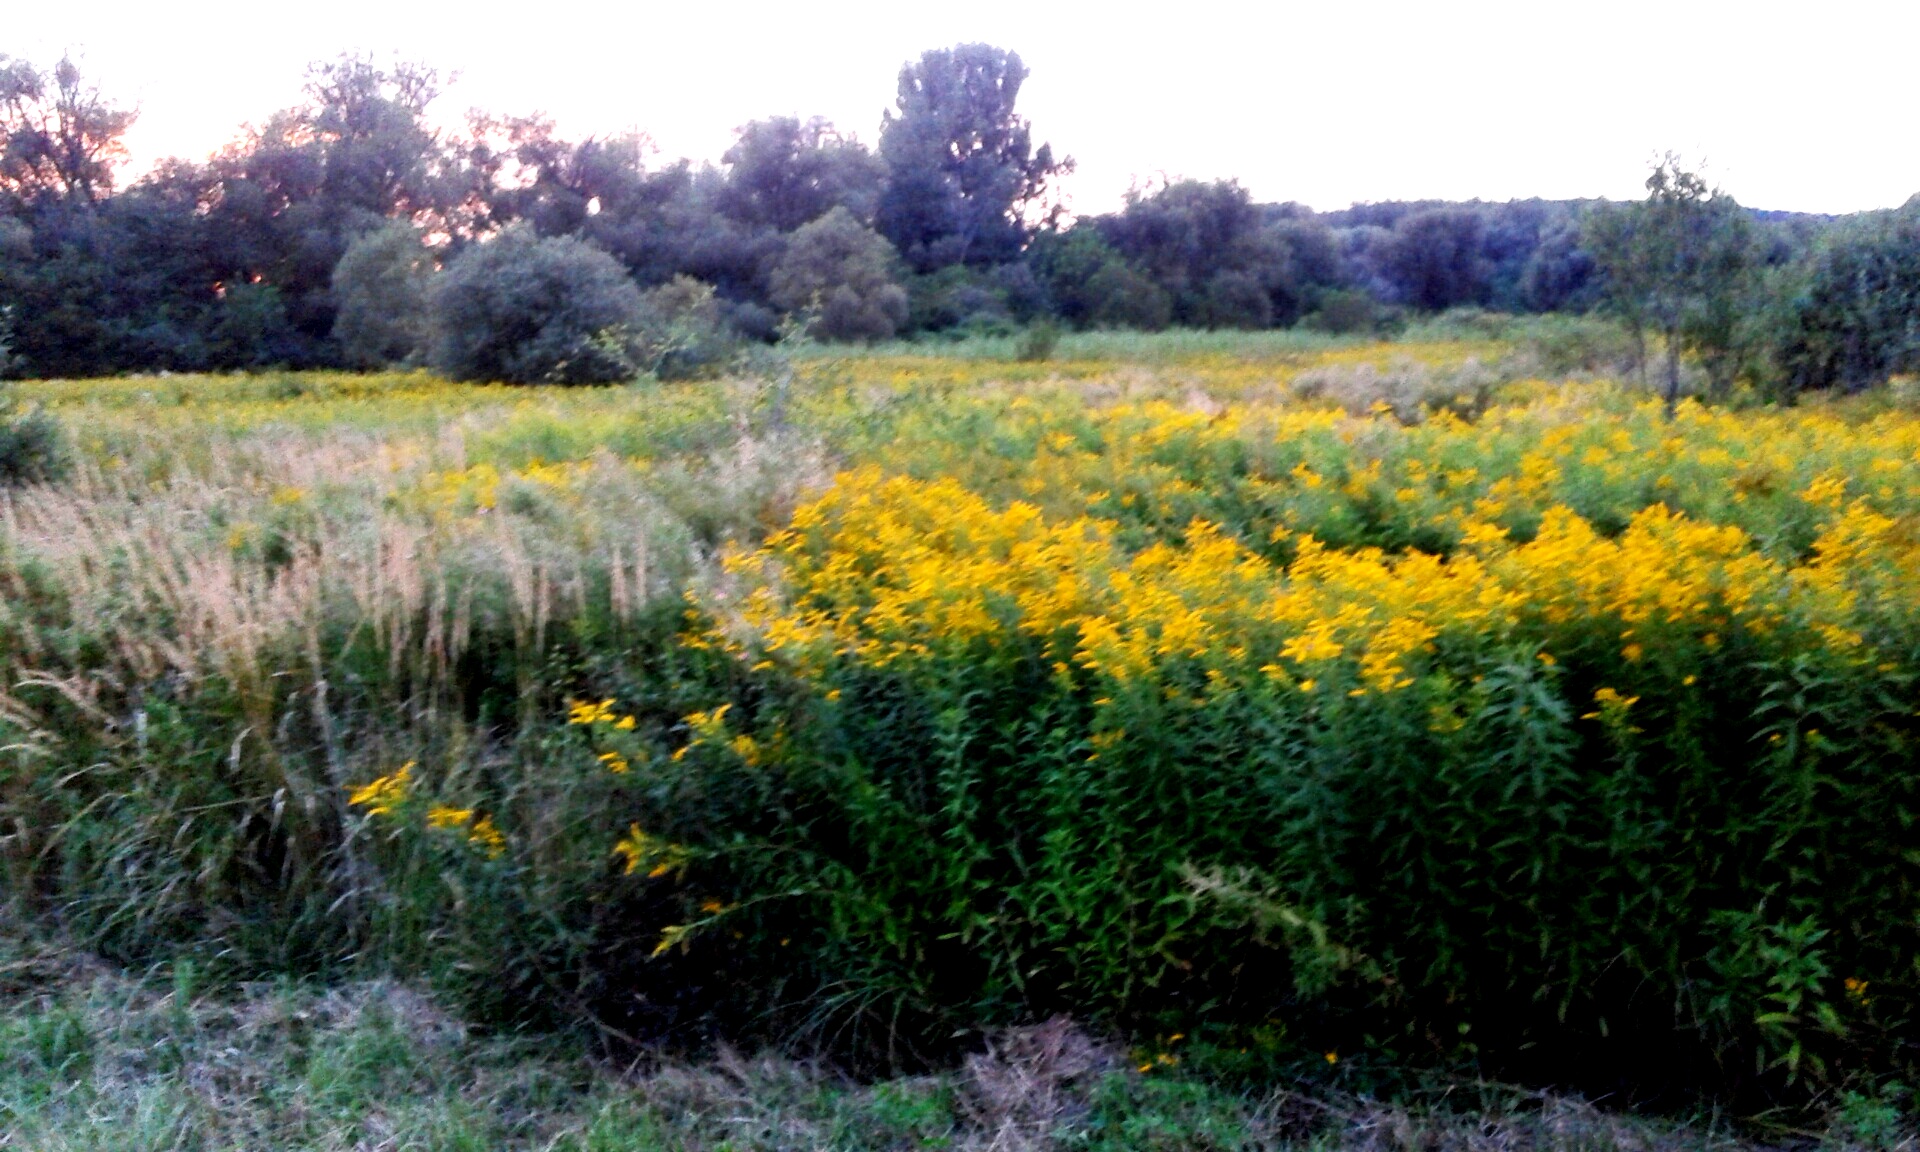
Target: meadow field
x=1183 y=741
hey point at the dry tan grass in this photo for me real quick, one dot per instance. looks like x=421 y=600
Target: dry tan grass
x=169 y=578
x=1032 y=1083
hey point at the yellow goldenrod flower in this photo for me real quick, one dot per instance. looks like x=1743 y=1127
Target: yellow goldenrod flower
x=651 y=853
x=674 y=934
x=386 y=793
x=488 y=838
x=583 y=713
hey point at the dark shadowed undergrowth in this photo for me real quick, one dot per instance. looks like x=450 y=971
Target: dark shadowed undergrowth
x=96 y=1057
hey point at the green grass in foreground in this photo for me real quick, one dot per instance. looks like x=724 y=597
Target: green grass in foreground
x=93 y=1057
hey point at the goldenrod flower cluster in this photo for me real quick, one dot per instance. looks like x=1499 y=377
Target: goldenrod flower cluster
x=887 y=569
x=652 y=856
x=387 y=795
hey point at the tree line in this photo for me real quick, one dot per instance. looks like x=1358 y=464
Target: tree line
x=349 y=231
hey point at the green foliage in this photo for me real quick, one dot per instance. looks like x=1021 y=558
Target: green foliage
x=1487 y=861
x=838 y=274
x=9 y=363
x=1873 y=1121
x=1134 y=1114
x=1682 y=263
x=684 y=336
x=1063 y=262
x=962 y=170
x=1236 y=300
x=1210 y=250
x=785 y=174
x=1118 y=296
x=526 y=309
x=1853 y=311
x=33 y=443
x=1343 y=312
x=958 y=301
x=1038 y=342
x=251 y=328
x=1434 y=259
x=381 y=287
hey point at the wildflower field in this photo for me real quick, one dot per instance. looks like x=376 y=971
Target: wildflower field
x=1289 y=707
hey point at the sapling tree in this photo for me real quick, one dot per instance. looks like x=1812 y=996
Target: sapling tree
x=1681 y=263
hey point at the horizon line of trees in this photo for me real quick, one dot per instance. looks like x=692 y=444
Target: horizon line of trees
x=348 y=232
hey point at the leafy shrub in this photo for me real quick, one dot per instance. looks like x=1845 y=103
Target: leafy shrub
x=1037 y=342
x=1343 y=312
x=1120 y=296
x=1850 y=321
x=684 y=334
x=958 y=300
x=754 y=322
x=1237 y=300
x=381 y=287
x=838 y=272
x=526 y=309
x=1063 y=262
x=251 y=329
x=1022 y=293
x=1872 y=1121
x=33 y=444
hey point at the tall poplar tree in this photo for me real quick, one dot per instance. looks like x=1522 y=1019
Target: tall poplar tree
x=964 y=175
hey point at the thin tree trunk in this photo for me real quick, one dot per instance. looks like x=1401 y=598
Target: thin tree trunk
x=1673 y=371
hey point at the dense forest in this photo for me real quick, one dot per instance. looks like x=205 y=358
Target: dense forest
x=348 y=231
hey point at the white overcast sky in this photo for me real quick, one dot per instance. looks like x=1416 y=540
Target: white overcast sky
x=1809 y=106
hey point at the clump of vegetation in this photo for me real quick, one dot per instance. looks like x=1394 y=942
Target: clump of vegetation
x=382 y=287
x=1406 y=388
x=684 y=335
x=1850 y=320
x=1037 y=343
x=8 y=361
x=527 y=309
x=1343 y=312
x=837 y=272
x=33 y=443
